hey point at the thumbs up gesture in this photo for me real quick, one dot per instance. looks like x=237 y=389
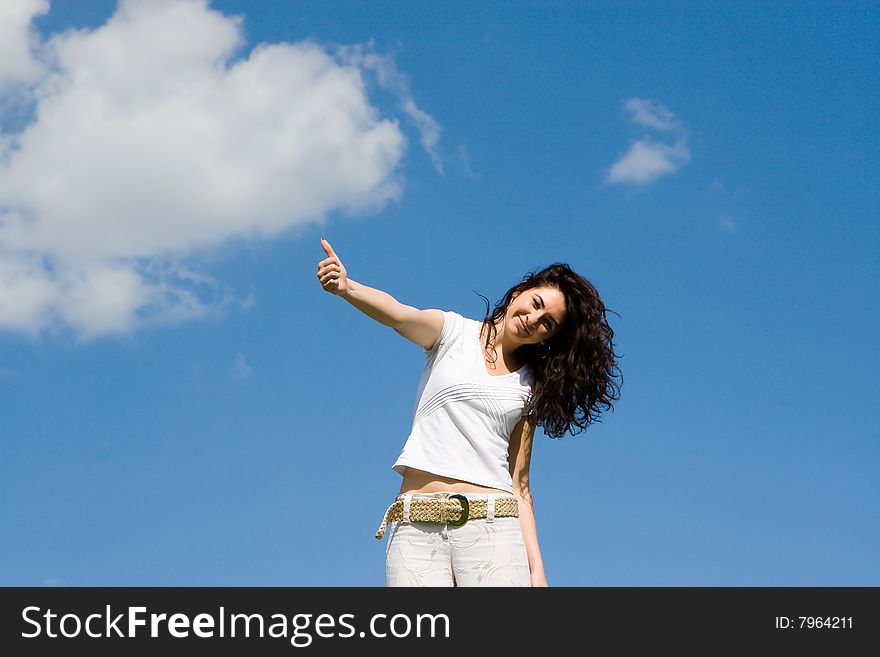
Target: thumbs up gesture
x=331 y=273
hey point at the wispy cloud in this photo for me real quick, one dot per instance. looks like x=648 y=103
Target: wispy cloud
x=390 y=78
x=464 y=158
x=54 y=582
x=155 y=137
x=727 y=224
x=717 y=186
x=652 y=114
x=648 y=159
x=242 y=369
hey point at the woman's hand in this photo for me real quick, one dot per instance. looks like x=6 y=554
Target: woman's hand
x=331 y=273
x=538 y=579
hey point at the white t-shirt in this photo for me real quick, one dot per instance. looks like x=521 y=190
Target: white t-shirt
x=463 y=416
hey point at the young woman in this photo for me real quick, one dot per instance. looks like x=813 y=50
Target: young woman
x=464 y=515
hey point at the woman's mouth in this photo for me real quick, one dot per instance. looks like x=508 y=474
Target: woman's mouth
x=522 y=323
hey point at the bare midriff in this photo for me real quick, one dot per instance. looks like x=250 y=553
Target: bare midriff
x=419 y=481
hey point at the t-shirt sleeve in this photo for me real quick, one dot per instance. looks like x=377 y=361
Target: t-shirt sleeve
x=452 y=325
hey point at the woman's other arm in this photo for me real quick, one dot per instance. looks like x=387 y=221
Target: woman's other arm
x=519 y=459
x=420 y=326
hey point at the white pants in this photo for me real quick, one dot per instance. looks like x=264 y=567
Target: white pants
x=482 y=552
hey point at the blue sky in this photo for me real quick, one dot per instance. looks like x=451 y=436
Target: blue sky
x=182 y=404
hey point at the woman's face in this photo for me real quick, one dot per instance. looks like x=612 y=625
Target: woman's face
x=535 y=315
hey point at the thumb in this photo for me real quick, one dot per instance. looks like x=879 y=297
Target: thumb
x=327 y=248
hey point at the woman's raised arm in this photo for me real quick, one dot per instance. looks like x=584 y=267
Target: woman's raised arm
x=420 y=326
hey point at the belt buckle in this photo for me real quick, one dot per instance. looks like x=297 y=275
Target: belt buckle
x=465 y=510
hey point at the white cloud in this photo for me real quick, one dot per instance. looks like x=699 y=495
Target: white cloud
x=154 y=138
x=648 y=159
x=18 y=40
x=651 y=114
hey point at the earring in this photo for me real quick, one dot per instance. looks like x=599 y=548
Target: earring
x=542 y=350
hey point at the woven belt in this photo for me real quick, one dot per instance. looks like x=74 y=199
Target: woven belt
x=454 y=510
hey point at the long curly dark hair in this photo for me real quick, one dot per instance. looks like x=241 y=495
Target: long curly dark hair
x=575 y=371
